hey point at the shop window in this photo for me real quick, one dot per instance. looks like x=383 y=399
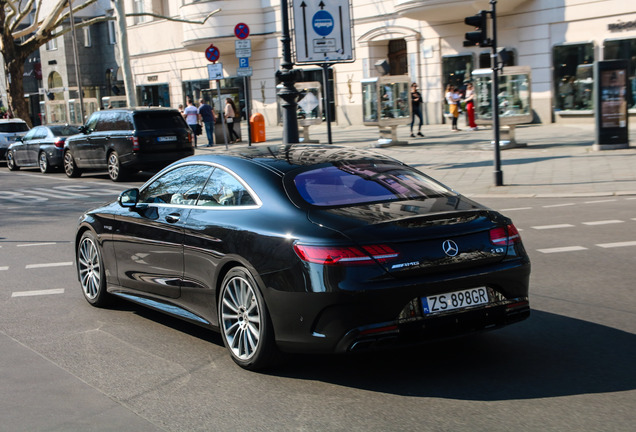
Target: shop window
x=456 y=70
x=573 y=77
x=624 y=49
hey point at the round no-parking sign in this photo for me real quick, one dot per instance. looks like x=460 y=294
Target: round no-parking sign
x=241 y=31
x=212 y=53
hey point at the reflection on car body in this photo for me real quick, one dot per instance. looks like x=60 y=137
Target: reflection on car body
x=306 y=249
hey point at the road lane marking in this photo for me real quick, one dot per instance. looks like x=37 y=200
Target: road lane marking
x=603 y=222
x=542 y=227
x=618 y=244
x=562 y=249
x=516 y=209
x=4 y=268
x=37 y=292
x=59 y=264
x=600 y=201
x=559 y=205
x=36 y=244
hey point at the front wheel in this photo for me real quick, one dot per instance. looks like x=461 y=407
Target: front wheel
x=90 y=268
x=244 y=321
x=11 y=162
x=70 y=167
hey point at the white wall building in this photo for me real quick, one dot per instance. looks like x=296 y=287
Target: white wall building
x=558 y=39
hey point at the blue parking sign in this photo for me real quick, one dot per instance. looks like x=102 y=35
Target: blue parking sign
x=244 y=62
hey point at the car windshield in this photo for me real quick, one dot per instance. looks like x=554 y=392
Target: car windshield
x=352 y=183
x=13 y=127
x=158 y=120
x=65 y=130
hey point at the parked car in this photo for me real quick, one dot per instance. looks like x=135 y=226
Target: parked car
x=306 y=249
x=41 y=147
x=126 y=140
x=10 y=130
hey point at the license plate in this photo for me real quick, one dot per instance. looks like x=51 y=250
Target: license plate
x=455 y=300
x=166 y=138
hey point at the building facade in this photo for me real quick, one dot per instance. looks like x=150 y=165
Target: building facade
x=422 y=39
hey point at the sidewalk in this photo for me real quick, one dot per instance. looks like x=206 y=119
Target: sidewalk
x=558 y=160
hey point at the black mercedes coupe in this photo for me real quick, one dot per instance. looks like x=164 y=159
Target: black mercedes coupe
x=306 y=248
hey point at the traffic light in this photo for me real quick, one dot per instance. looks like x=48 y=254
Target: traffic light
x=480 y=35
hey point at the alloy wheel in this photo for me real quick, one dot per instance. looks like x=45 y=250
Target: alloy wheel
x=241 y=318
x=89 y=267
x=43 y=162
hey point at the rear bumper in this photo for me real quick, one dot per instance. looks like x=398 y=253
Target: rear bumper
x=393 y=314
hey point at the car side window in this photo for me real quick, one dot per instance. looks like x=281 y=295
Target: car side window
x=223 y=189
x=92 y=122
x=40 y=133
x=180 y=186
x=30 y=134
x=107 y=122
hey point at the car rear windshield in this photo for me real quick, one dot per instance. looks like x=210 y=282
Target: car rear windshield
x=13 y=127
x=359 y=183
x=152 y=120
x=65 y=130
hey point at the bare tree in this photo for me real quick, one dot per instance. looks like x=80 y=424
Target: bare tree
x=19 y=37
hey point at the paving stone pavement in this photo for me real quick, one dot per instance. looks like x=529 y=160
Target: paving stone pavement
x=557 y=161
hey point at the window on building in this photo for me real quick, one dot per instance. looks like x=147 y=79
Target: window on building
x=508 y=59
x=112 y=35
x=456 y=70
x=398 y=61
x=624 y=49
x=51 y=45
x=87 y=36
x=573 y=76
x=138 y=7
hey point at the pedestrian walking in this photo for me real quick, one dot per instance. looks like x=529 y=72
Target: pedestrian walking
x=192 y=118
x=230 y=114
x=206 y=114
x=416 y=109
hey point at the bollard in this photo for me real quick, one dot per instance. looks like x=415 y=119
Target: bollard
x=257 y=123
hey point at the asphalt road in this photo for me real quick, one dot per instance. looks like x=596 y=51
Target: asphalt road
x=65 y=366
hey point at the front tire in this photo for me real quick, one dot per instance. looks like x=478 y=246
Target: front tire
x=70 y=167
x=90 y=268
x=11 y=162
x=244 y=321
x=43 y=162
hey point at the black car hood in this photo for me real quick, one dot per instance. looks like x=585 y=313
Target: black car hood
x=417 y=230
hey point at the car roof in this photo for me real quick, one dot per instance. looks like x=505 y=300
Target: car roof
x=285 y=158
x=139 y=109
x=13 y=120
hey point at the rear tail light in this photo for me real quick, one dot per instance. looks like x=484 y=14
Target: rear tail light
x=505 y=236
x=345 y=255
x=59 y=143
x=135 y=143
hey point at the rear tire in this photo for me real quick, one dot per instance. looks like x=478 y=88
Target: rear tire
x=11 y=162
x=43 y=162
x=115 y=170
x=70 y=167
x=244 y=321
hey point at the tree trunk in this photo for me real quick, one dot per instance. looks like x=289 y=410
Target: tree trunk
x=15 y=89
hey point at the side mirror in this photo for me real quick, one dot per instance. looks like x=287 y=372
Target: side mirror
x=129 y=198
x=83 y=129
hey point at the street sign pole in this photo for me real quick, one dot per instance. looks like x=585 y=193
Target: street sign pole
x=495 y=98
x=325 y=89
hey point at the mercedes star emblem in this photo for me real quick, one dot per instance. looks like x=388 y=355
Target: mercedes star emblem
x=450 y=248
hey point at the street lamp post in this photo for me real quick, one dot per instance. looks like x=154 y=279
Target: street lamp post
x=287 y=77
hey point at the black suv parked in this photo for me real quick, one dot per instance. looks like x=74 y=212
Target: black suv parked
x=126 y=140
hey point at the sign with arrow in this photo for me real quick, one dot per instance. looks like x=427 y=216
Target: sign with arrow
x=323 y=31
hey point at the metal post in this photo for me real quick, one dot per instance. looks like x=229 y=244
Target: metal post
x=78 y=75
x=325 y=86
x=247 y=91
x=287 y=91
x=495 y=95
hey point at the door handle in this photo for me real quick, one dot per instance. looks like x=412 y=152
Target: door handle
x=173 y=218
